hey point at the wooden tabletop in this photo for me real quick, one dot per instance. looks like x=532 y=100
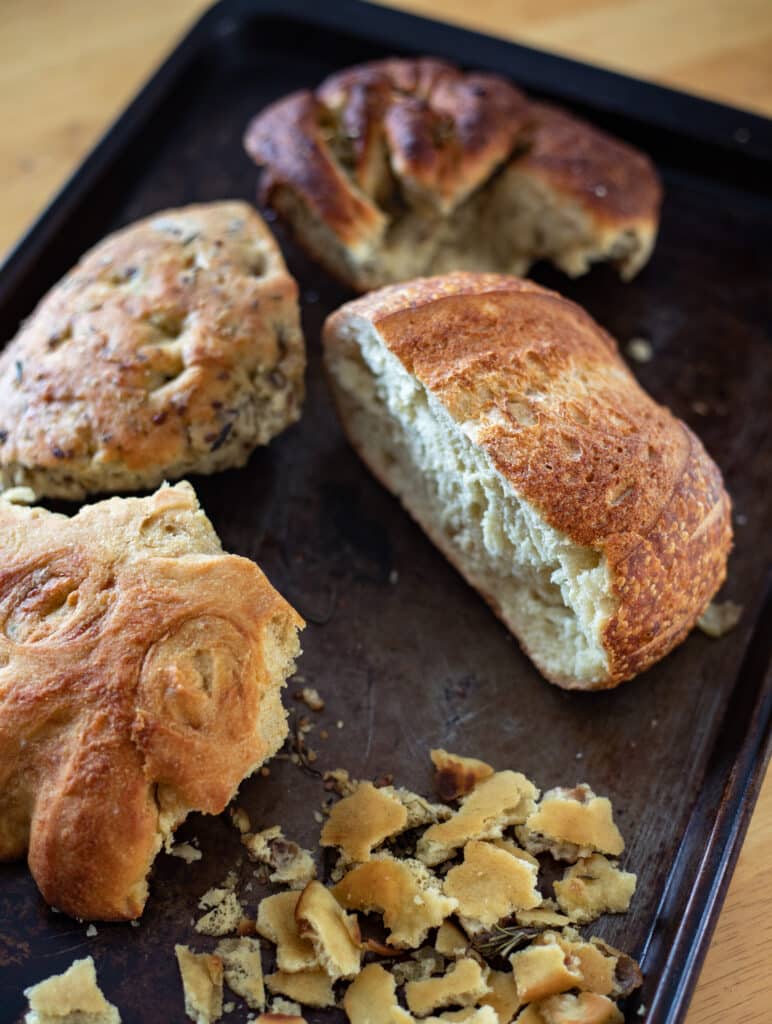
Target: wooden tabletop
x=67 y=69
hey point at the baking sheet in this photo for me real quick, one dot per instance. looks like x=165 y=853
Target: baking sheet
x=404 y=653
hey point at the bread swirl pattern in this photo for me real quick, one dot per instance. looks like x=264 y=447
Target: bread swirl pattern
x=140 y=670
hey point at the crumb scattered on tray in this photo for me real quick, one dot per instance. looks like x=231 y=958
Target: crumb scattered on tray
x=639 y=350
x=571 y=823
x=224 y=912
x=309 y=988
x=311 y=698
x=720 y=617
x=455 y=776
x=594 y=886
x=362 y=821
x=292 y=865
x=333 y=933
x=463 y=985
x=185 y=852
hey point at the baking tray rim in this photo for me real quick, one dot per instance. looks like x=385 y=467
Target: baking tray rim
x=745 y=135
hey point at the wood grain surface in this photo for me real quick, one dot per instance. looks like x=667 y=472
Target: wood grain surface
x=68 y=68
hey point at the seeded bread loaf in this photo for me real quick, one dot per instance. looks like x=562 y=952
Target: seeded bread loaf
x=140 y=677
x=398 y=168
x=502 y=416
x=173 y=347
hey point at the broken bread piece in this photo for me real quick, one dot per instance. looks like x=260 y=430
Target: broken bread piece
x=404 y=891
x=333 y=934
x=490 y=885
x=73 y=997
x=463 y=985
x=173 y=347
x=276 y=922
x=399 y=168
x=456 y=776
x=362 y=821
x=594 y=886
x=544 y=970
x=143 y=678
x=572 y=823
x=202 y=975
x=309 y=988
x=371 y=998
x=503 y=799
x=292 y=865
x=585 y=1008
x=506 y=422
x=243 y=969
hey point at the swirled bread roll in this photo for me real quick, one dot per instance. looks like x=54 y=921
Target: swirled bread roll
x=140 y=677
x=398 y=168
x=173 y=347
x=589 y=517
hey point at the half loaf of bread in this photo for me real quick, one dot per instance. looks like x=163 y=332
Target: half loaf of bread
x=502 y=416
x=140 y=677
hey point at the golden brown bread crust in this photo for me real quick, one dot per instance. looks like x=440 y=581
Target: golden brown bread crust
x=140 y=669
x=174 y=346
x=345 y=165
x=573 y=433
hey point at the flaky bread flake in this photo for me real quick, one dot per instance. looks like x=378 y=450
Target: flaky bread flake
x=243 y=969
x=292 y=865
x=202 y=975
x=420 y=811
x=371 y=998
x=362 y=821
x=333 y=934
x=572 y=823
x=456 y=776
x=490 y=885
x=594 y=886
x=463 y=985
x=70 y=997
x=542 y=971
x=309 y=988
x=223 y=912
x=545 y=916
x=450 y=940
x=469 y=1015
x=586 y=1008
x=276 y=1017
x=276 y=922
x=503 y=996
x=404 y=891
x=503 y=799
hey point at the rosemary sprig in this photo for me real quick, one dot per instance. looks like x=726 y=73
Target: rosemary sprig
x=501 y=941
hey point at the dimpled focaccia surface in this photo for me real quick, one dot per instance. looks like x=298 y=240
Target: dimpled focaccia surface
x=397 y=168
x=591 y=519
x=140 y=670
x=174 y=346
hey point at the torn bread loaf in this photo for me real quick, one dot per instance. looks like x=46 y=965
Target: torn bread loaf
x=398 y=168
x=173 y=347
x=589 y=517
x=140 y=677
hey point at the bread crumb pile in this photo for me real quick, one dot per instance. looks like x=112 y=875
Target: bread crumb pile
x=430 y=911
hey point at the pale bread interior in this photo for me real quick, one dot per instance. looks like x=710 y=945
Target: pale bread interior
x=552 y=593
x=509 y=223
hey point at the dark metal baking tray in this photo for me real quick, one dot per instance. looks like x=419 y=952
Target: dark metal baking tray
x=421 y=662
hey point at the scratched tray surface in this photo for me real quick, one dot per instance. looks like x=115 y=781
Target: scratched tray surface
x=405 y=654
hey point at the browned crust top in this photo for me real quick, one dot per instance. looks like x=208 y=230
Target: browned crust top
x=420 y=132
x=610 y=179
x=131 y=660
x=565 y=422
x=142 y=354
